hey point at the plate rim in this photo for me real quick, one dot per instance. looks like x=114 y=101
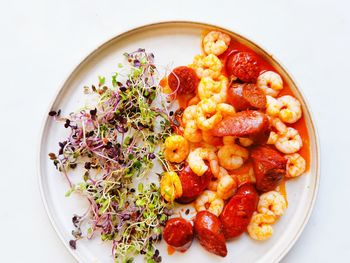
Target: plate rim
x=132 y=29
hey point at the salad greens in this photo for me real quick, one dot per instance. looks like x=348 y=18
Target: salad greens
x=117 y=143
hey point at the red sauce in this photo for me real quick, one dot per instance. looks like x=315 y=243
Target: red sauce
x=265 y=66
x=235 y=46
x=300 y=125
x=171 y=250
x=283 y=190
x=243 y=174
x=163 y=82
x=183 y=100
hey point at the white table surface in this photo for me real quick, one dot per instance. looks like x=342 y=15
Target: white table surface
x=41 y=41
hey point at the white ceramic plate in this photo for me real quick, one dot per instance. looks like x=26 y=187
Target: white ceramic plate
x=173 y=43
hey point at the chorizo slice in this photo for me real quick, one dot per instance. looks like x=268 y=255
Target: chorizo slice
x=269 y=167
x=246 y=96
x=243 y=65
x=192 y=184
x=183 y=80
x=235 y=97
x=209 y=231
x=239 y=210
x=252 y=124
x=178 y=233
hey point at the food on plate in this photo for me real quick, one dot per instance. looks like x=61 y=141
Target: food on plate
x=170 y=186
x=269 y=167
x=192 y=184
x=178 y=233
x=238 y=211
x=176 y=148
x=232 y=156
x=249 y=123
x=183 y=80
x=223 y=133
x=216 y=42
x=244 y=66
x=272 y=203
x=246 y=96
x=207 y=66
x=210 y=234
x=113 y=144
x=209 y=201
x=270 y=82
x=296 y=165
x=260 y=226
x=198 y=159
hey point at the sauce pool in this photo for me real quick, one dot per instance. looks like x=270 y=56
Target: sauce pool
x=300 y=125
x=171 y=250
x=264 y=65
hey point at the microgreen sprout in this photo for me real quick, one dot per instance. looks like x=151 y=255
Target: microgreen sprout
x=117 y=142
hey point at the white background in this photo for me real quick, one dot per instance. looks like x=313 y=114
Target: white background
x=41 y=42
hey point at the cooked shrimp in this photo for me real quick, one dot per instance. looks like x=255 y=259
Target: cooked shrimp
x=273 y=137
x=245 y=175
x=290 y=111
x=273 y=106
x=196 y=161
x=296 y=165
x=214 y=89
x=225 y=109
x=208 y=146
x=211 y=139
x=213 y=185
x=245 y=142
x=210 y=198
x=191 y=132
x=278 y=125
x=281 y=130
x=207 y=115
x=170 y=186
x=290 y=142
x=176 y=148
x=220 y=172
x=272 y=203
x=287 y=108
x=216 y=42
x=260 y=227
x=270 y=82
x=232 y=156
x=226 y=186
x=207 y=66
x=189 y=114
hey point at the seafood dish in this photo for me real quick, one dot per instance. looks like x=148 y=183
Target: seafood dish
x=201 y=153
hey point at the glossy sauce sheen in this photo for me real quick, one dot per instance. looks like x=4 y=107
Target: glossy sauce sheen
x=265 y=66
x=178 y=233
x=171 y=250
x=242 y=174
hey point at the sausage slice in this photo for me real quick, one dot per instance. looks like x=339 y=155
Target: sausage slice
x=246 y=96
x=269 y=167
x=239 y=210
x=208 y=229
x=178 y=233
x=192 y=184
x=183 y=80
x=243 y=65
x=250 y=123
